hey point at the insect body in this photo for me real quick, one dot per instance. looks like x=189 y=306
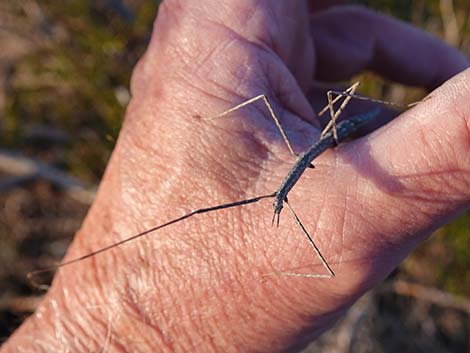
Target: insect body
x=305 y=159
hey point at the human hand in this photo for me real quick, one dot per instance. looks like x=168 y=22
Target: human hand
x=200 y=285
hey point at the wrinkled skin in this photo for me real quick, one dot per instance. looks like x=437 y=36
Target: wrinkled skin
x=201 y=285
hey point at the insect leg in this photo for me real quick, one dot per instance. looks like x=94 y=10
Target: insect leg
x=349 y=93
x=271 y=112
x=317 y=251
x=31 y=274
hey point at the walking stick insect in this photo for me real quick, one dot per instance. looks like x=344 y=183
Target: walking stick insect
x=331 y=135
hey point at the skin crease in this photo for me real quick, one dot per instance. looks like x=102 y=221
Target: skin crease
x=199 y=285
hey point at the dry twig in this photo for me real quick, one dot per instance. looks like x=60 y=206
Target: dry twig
x=432 y=295
x=28 y=169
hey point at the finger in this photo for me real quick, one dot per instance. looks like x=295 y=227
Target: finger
x=351 y=39
x=418 y=167
x=320 y=5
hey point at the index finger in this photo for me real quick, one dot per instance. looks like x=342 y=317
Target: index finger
x=350 y=39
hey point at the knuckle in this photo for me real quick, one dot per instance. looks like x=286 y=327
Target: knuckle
x=456 y=95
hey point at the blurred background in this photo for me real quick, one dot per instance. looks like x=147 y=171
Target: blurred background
x=64 y=86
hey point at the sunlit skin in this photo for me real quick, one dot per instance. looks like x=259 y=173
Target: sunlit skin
x=202 y=285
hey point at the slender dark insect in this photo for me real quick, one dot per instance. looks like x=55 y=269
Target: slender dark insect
x=331 y=135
